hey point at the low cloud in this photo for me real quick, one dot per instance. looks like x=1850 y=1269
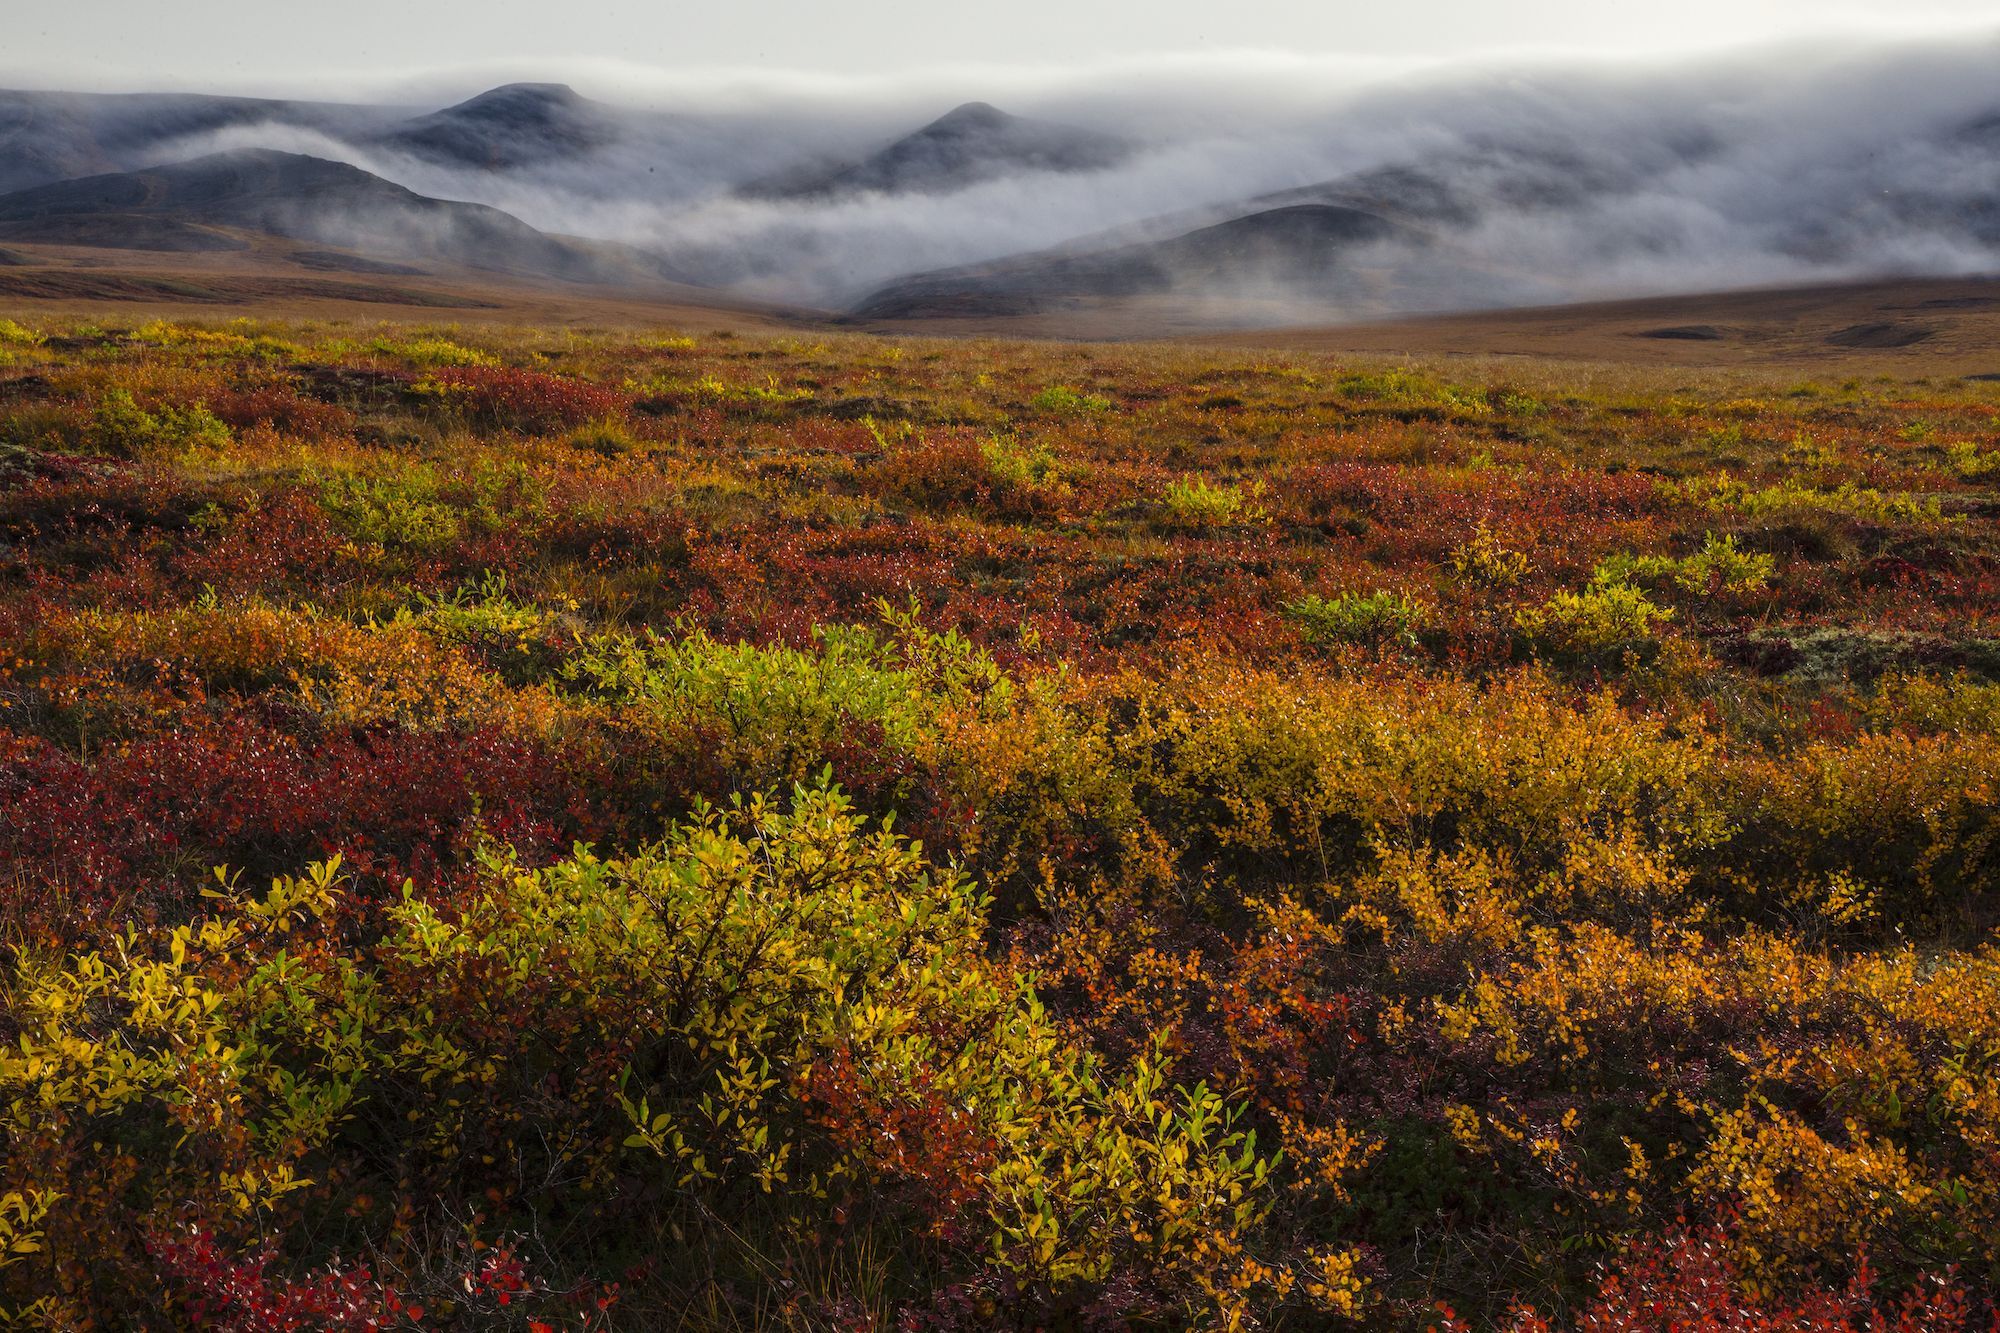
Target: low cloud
x=1567 y=179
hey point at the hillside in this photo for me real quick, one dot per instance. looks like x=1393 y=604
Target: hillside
x=53 y=136
x=1305 y=251
x=200 y=204
x=1910 y=326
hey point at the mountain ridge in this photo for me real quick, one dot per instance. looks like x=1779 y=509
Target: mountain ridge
x=971 y=143
x=195 y=203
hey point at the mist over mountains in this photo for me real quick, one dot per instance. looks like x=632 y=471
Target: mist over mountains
x=1283 y=196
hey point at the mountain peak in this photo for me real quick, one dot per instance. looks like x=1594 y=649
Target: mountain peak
x=970 y=116
x=521 y=95
x=509 y=126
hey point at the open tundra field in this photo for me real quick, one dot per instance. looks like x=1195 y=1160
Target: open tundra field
x=588 y=827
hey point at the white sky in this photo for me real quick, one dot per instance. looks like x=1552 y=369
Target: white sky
x=275 y=46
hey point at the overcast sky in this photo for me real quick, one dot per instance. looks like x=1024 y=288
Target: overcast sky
x=379 y=45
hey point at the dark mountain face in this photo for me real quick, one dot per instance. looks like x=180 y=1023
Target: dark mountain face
x=48 y=137
x=197 y=204
x=517 y=125
x=973 y=143
x=43 y=140
x=1302 y=250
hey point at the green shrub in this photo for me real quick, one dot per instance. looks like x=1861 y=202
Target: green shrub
x=1725 y=494
x=1199 y=502
x=432 y=353
x=1012 y=464
x=401 y=510
x=1402 y=388
x=1600 y=618
x=771 y=714
x=1967 y=460
x=1719 y=566
x=1355 y=617
x=1063 y=399
x=120 y=426
x=232 y=343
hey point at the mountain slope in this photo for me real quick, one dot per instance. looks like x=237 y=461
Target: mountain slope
x=198 y=204
x=972 y=143
x=1370 y=242
x=1297 y=250
x=47 y=137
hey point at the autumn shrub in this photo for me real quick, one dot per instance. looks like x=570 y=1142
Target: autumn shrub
x=281 y=409
x=1687 y=1282
x=512 y=399
x=1227 y=778
x=121 y=427
x=1199 y=502
x=138 y=825
x=1068 y=400
x=1355 y=617
x=808 y=982
x=1314 y=843
x=1601 y=618
x=775 y=714
x=1720 y=566
x=1908 y=815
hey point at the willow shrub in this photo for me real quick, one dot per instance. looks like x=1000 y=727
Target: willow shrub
x=772 y=1015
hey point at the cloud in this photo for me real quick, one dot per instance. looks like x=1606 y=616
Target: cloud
x=1568 y=177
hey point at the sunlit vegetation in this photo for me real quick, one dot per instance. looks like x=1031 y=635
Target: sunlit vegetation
x=600 y=830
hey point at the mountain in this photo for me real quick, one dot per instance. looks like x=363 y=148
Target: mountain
x=1368 y=242
x=517 y=125
x=972 y=143
x=1297 y=251
x=209 y=202
x=47 y=137
x=43 y=140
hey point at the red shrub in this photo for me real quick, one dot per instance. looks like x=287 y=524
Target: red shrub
x=154 y=814
x=525 y=400
x=1688 y=1282
x=281 y=410
x=215 y=1289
